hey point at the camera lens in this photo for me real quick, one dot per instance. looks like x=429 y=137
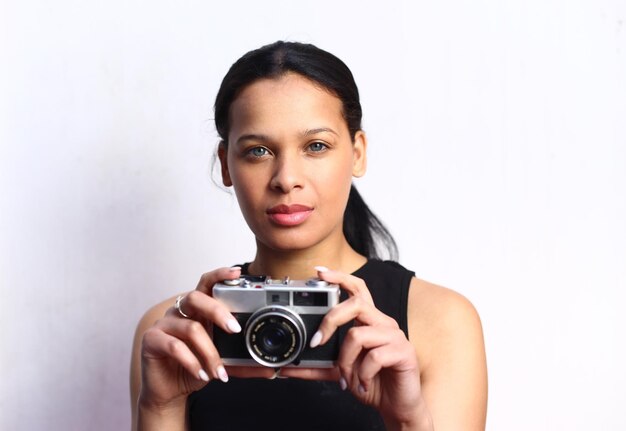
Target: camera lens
x=275 y=336
x=274 y=339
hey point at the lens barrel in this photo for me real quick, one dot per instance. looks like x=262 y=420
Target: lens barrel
x=275 y=336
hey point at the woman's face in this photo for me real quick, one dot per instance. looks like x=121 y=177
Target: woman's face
x=290 y=159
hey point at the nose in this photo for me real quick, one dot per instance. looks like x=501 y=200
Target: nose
x=287 y=175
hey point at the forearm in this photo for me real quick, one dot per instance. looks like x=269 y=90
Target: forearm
x=419 y=420
x=161 y=418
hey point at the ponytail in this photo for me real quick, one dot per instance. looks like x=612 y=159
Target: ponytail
x=365 y=232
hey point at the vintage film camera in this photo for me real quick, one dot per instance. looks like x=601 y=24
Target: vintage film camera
x=278 y=318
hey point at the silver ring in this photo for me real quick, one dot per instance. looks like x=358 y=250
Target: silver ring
x=178 y=308
x=276 y=374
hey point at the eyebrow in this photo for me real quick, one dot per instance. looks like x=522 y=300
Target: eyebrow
x=253 y=137
x=319 y=130
x=265 y=138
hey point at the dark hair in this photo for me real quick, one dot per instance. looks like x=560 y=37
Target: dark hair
x=363 y=230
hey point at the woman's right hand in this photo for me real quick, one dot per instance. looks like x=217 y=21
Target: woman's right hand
x=177 y=353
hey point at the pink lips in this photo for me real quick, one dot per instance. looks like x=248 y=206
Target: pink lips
x=289 y=215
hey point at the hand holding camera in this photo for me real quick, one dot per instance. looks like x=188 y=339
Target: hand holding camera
x=177 y=355
x=376 y=362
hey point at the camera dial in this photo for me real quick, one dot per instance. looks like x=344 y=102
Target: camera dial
x=316 y=282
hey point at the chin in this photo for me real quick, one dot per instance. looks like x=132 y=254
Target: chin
x=287 y=245
x=290 y=241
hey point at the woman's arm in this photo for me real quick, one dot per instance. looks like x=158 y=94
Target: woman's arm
x=145 y=416
x=447 y=335
x=174 y=355
x=436 y=380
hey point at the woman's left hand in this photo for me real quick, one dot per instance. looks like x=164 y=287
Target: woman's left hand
x=377 y=363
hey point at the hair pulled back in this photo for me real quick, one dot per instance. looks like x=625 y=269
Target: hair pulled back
x=363 y=230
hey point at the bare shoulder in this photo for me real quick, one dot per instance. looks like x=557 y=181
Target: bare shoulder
x=155 y=313
x=438 y=316
x=446 y=331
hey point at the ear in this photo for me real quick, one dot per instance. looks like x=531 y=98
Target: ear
x=222 y=153
x=359 y=148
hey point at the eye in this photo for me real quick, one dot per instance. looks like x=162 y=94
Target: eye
x=258 y=152
x=317 y=147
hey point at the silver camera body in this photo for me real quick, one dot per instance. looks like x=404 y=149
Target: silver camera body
x=278 y=318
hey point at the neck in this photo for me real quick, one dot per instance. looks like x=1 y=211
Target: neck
x=300 y=264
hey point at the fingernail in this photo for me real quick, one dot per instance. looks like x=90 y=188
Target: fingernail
x=343 y=384
x=233 y=325
x=315 y=340
x=361 y=389
x=203 y=375
x=321 y=269
x=221 y=373
x=234 y=268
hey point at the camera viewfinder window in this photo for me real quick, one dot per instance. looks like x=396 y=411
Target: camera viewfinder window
x=277 y=298
x=310 y=299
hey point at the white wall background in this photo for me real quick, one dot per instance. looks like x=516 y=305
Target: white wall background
x=498 y=158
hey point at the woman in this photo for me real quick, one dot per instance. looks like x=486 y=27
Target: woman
x=289 y=119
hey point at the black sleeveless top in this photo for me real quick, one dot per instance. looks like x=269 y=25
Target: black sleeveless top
x=294 y=404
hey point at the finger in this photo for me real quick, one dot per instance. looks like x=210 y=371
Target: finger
x=200 y=306
x=157 y=344
x=311 y=373
x=208 y=279
x=351 y=284
x=195 y=335
x=357 y=340
x=388 y=356
x=354 y=308
x=251 y=372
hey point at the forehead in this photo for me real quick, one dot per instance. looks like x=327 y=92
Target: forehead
x=290 y=100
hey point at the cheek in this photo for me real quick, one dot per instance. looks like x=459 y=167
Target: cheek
x=246 y=188
x=339 y=173
x=334 y=183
